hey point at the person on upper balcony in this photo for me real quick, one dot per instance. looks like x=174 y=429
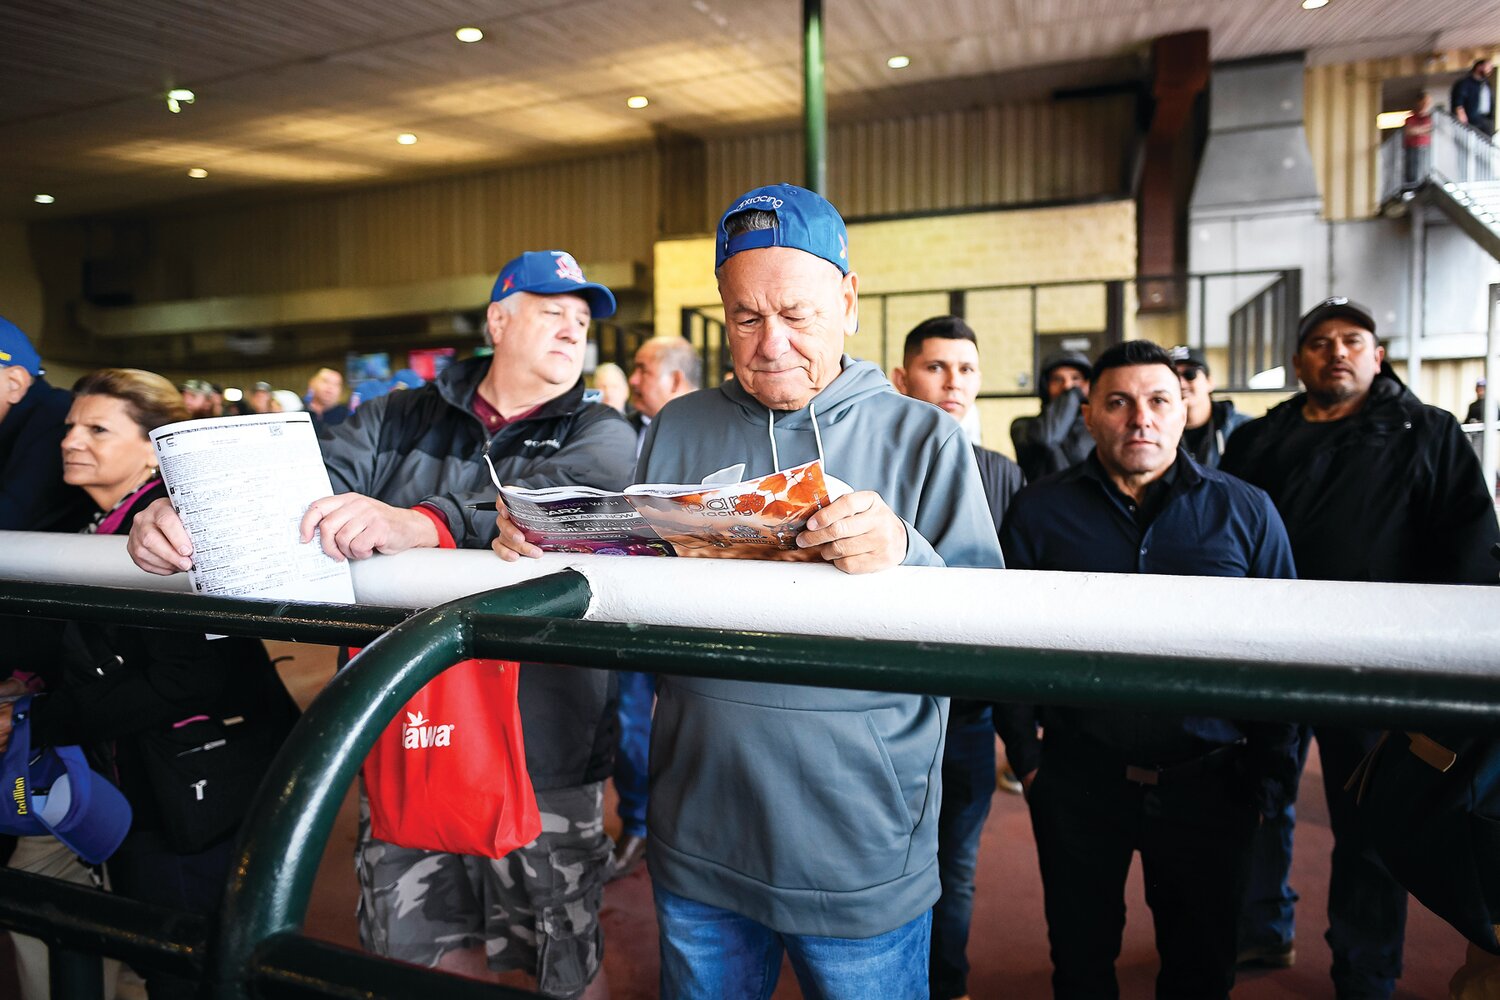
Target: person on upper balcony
x=1472 y=99
x=1416 y=142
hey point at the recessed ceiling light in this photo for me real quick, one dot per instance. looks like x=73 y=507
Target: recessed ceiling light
x=469 y=35
x=1313 y=4
x=406 y=138
x=197 y=173
x=901 y=62
x=179 y=96
x=636 y=102
x=44 y=199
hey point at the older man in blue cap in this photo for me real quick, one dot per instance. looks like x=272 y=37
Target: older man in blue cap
x=788 y=819
x=406 y=469
x=33 y=496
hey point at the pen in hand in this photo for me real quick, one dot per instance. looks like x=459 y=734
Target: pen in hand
x=481 y=506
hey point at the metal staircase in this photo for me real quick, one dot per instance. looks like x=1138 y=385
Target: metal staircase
x=1460 y=177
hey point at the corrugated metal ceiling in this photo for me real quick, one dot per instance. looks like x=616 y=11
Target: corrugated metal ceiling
x=294 y=93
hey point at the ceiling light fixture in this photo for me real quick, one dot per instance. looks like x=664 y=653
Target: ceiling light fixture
x=469 y=35
x=179 y=96
x=197 y=173
x=44 y=199
x=901 y=62
x=406 y=138
x=637 y=102
x=1313 y=4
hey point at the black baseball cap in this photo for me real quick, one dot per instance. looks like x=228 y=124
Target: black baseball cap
x=1188 y=356
x=1336 y=307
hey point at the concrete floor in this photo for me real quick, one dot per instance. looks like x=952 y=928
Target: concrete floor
x=1008 y=947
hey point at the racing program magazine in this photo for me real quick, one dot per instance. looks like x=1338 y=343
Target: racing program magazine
x=756 y=519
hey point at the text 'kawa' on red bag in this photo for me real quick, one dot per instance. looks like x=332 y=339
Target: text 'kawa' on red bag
x=449 y=772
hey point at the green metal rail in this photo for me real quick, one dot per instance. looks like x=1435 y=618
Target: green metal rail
x=254 y=946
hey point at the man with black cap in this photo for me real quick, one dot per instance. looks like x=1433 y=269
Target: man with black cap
x=1373 y=484
x=407 y=469
x=1209 y=421
x=1056 y=439
x=33 y=496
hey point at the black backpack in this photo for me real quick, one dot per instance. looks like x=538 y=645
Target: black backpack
x=1431 y=808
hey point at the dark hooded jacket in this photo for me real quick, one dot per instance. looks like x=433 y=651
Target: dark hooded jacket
x=1393 y=493
x=33 y=496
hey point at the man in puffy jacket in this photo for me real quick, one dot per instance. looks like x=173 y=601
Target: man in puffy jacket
x=1056 y=438
x=1373 y=484
x=405 y=469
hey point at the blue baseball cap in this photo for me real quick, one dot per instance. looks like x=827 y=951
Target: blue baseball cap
x=552 y=272
x=16 y=349
x=804 y=220
x=54 y=791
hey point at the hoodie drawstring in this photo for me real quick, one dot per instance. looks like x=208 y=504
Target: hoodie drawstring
x=812 y=410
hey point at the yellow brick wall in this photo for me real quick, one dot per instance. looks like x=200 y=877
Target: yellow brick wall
x=932 y=255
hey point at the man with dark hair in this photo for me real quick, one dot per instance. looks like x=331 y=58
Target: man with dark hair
x=940 y=365
x=752 y=857
x=1373 y=485
x=1475 y=413
x=1184 y=791
x=1056 y=439
x=324 y=390
x=665 y=368
x=1472 y=100
x=1209 y=421
x=33 y=417
x=408 y=470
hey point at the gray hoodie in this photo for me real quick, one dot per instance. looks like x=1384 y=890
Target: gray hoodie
x=811 y=810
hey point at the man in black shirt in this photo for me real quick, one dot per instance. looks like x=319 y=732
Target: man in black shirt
x=1373 y=485
x=940 y=365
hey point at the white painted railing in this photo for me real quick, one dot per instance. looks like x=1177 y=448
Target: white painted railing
x=1285 y=621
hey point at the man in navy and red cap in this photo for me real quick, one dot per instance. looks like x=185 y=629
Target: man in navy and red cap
x=1375 y=485
x=33 y=496
x=406 y=469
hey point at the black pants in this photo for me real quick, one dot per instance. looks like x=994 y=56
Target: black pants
x=1193 y=834
x=145 y=868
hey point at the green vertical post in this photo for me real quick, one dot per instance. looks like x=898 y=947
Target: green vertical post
x=814 y=100
x=279 y=847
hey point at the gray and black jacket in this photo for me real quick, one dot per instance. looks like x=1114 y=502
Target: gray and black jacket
x=426 y=446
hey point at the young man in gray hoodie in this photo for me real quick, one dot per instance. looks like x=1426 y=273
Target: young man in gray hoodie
x=788 y=818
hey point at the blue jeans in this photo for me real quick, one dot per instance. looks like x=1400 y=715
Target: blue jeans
x=637 y=695
x=968 y=786
x=1366 y=906
x=1269 y=917
x=708 y=953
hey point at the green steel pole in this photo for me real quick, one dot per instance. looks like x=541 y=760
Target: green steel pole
x=279 y=847
x=1409 y=698
x=814 y=97
x=332 y=624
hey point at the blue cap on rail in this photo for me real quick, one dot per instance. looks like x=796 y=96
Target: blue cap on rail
x=804 y=221
x=552 y=272
x=53 y=790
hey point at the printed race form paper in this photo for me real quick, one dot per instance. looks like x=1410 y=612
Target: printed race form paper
x=241 y=486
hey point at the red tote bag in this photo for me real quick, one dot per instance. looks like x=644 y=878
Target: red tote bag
x=449 y=773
